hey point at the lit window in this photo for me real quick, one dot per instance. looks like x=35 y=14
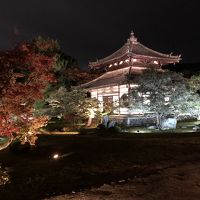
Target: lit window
x=115 y=88
x=107 y=89
x=121 y=62
x=155 y=62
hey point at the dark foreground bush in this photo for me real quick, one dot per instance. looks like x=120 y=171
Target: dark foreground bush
x=17 y=147
x=101 y=129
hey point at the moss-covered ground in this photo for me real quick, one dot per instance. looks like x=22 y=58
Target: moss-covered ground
x=90 y=160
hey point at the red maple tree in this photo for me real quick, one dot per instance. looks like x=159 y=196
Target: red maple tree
x=24 y=74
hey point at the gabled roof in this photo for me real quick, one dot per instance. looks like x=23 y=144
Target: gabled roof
x=117 y=77
x=133 y=48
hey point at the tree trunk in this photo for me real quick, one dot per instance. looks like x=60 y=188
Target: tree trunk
x=158 y=120
x=89 y=122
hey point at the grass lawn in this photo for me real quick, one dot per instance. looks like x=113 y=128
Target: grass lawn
x=90 y=160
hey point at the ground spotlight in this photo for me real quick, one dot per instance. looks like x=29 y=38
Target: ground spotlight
x=55 y=156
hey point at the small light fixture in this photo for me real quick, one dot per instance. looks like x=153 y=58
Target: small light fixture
x=127 y=60
x=121 y=62
x=110 y=66
x=134 y=60
x=55 y=156
x=155 y=62
x=115 y=64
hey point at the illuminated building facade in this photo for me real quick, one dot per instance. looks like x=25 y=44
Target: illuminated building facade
x=131 y=59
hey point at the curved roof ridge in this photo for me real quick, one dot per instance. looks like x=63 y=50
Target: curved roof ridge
x=135 y=48
x=159 y=53
x=110 y=57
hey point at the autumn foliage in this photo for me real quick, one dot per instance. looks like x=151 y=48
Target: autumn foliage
x=24 y=74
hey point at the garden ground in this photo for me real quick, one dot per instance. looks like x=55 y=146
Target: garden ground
x=159 y=166
x=170 y=181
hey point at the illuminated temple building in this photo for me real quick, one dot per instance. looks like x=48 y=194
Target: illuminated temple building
x=132 y=58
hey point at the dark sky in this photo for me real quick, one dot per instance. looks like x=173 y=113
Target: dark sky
x=90 y=29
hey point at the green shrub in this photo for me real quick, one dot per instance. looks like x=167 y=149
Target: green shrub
x=101 y=129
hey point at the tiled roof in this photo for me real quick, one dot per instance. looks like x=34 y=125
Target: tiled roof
x=133 y=48
x=113 y=77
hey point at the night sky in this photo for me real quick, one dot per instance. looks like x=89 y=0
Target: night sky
x=90 y=29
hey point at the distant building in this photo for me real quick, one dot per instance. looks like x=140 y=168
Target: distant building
x=132 y=58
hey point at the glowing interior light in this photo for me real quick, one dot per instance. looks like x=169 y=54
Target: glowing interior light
x=134 y=60
x=115 y=64
x=115 y=88
x=110 y=65
x=155 y=62
x=107 y=89
x=127 y=60
x=55 y=156
x=121 y=62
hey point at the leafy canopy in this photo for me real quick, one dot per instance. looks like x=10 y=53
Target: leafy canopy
x=163 y=92
x=24 y=75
